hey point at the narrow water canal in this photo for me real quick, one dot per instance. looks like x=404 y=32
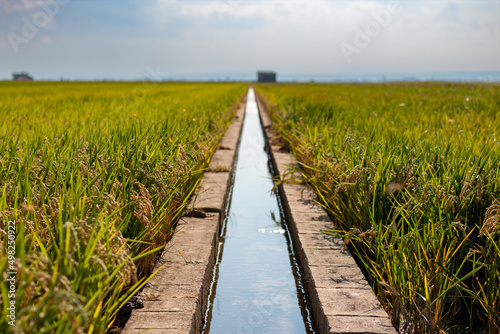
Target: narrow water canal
x=256 y=286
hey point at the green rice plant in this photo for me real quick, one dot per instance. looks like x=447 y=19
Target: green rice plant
x=95 y=176
x=486 y=290
x=409 y=173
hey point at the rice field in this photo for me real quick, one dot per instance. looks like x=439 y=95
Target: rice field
x=94 y=176
x=410 y=175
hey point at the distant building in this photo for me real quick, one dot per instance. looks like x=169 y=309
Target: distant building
x=21 y=76
x=266 y=76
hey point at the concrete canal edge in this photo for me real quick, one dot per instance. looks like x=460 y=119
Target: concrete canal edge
x=339 y=296
x=174 y=299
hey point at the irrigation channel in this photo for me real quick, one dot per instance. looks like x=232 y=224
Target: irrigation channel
x=256 y=286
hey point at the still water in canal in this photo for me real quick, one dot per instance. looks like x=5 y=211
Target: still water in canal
x=256 y=284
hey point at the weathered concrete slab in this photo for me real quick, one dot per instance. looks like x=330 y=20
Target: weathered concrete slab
x=317 y=216
x=168 y=330
x=211 y=193
x=321 y=241
x=222 y=161
x=340 y=298
x=179 y=304
x=343 y=276
x=328 y=256
x=358 y=325
x=350 y=302
x=190 y=228
x=174 y=299
x=159 y=322
x=224 y=158
x=232 y=135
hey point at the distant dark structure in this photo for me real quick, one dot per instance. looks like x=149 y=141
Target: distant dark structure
x=21 y=76
x=266 y=76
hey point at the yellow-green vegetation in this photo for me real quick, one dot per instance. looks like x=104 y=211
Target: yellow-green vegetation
x=95 y=176
x=410 y=175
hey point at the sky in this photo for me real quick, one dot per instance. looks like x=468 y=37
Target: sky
x=162 y=39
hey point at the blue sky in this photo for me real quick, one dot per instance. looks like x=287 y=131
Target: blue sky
x=131 y=39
